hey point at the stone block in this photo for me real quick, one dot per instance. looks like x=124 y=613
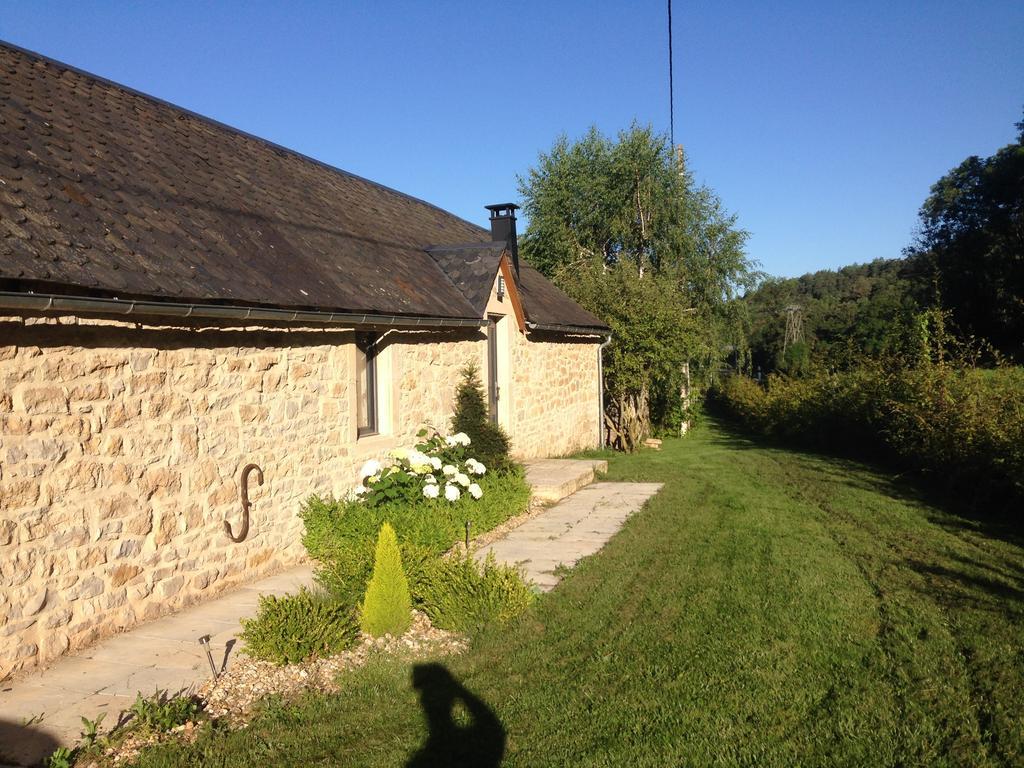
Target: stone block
x=121 y=574
x=34 y=604
x=33 y=399
x=89 y=587
x=7 y=531
x=18 y=493
x=58 y=617
x=170 y=587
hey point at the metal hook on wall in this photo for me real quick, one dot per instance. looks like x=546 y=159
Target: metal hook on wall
x=246 y=504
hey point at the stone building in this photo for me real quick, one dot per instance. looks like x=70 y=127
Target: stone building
x=178 y=300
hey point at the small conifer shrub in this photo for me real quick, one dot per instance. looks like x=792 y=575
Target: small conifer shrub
x=387 y=606
x=490 y=444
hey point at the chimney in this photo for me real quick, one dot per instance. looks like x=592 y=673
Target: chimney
x=503 y=229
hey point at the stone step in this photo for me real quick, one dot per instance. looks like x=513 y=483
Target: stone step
x=554 y=479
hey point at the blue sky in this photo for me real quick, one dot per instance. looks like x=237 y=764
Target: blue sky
x=821 y=125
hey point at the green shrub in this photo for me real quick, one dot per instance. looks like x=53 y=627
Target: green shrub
x=162 y=711
x=340 y=534
x=62 y=757
x=460 y=594
x=489 y=441
x=962 y=428
x=387 y=606
x=293 y=628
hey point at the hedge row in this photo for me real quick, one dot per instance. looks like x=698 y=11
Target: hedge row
x=963 y=428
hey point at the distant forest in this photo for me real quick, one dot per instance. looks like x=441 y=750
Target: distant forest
x=967 y=262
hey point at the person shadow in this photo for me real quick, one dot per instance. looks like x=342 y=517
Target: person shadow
x=24 y=743
x=480 y=743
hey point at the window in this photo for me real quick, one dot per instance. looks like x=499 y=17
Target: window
x=366 y=386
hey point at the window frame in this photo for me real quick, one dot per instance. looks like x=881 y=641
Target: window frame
x=366 y=344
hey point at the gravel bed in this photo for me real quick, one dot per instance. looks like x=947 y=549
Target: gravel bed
x=248 y=680
x=233 y=695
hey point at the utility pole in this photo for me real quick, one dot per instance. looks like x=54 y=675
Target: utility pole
x=685 y=386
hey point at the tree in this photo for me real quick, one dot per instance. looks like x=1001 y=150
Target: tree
x=490 y=444
x=863 y=309
x=971 y=241
x=387 y=605
x=622 y=228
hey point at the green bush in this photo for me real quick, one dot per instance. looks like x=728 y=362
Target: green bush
x=293 y=628
x=462 y=595
x=489 y=441
x=340 y=534
x=162 y=711
x=963 y=428
x=386 y=609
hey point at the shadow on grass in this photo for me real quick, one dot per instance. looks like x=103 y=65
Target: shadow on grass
x=962 y=512
x=980 y=590
x=477 y=739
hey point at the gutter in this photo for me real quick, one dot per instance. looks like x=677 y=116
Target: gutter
x=579 y=330
x=600 y=390
x=56 y=303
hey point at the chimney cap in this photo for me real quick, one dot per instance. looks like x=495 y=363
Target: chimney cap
x=502 y=209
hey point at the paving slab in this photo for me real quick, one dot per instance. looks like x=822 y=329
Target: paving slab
x=42 y=710
x=572 y=529
x=554 y=479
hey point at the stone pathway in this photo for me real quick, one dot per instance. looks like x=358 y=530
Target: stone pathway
x=574 y=528
x=162 y=654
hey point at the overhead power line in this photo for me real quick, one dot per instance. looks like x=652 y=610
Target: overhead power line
x=671 y=89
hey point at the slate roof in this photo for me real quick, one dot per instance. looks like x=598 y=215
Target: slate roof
x=547 y=305
x=109 y=192
x=472 y=267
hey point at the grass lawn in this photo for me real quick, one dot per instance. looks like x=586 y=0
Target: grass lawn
x=768 y=607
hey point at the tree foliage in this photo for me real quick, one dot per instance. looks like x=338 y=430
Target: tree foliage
x=971 y=240
x=386 y=609
x=489 y=441
x=860 y=310
x=621 y=226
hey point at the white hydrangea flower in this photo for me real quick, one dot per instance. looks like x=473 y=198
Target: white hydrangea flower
x=475 y=467
x=451 y=492
x=475 y=491
x=370 y=468
x=449 y=470
x=431 y=491
x=417 y=458
x=399 y=453
x=462 y=479
x=435 y=462
x=460 y=438
x=430 y=479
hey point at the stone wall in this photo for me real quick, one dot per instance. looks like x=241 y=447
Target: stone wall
x=555 y=386
x=121 y=446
